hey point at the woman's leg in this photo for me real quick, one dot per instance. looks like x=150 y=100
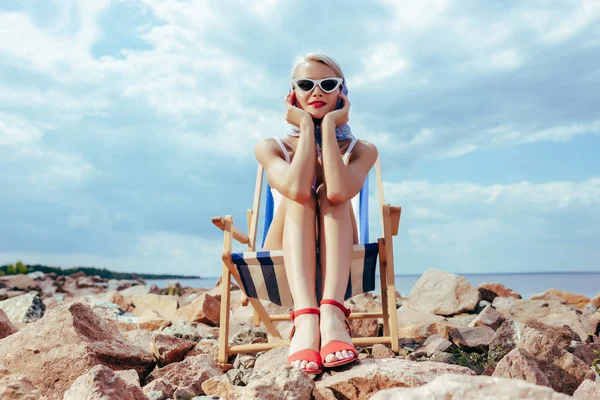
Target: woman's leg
x=295 y=224
x=336 y=238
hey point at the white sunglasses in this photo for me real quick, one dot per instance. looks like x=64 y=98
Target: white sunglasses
x=327 y=85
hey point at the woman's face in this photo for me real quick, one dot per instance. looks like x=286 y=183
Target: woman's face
x=316 y=102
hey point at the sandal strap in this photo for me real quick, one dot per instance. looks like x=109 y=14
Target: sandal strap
x=302 y=311
x=338 y=305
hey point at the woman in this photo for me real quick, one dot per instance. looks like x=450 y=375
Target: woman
x=314 y=172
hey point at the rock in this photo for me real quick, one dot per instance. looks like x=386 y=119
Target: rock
x=364 y=302
x=244 y=361
x=549 y=312
x=24 y=309
x=152 y=321
x=166 y=306
x=220 y=387
x=586 y=352
x=173 y=288
x=14 y=386
x=442 y=293
x=182 y=330
x=272 y=360
x=188 y=374
x=588 y=390
x=461 y=320
x=102 y=383
x=249 y=336
x=461 y=387
x=370 y=376
x=487 y=317
x=434 y=343
x=20 y=282
x=169 y=349
x=577 y=300
x=382 y=351
x=130 y=375
x=420 y=325
x=130 y=291
x=205 y=309
x=519 y=364
x=71 y=339
x=183 y=394
x=489 y=291
x=140 y=338
x=6 y=327
x=209 y=347
x=207 y=332
x=595 y=302
x=36 y=275
x=155 y=395
x=287 y=383
x=547 y=345
x=472 y=338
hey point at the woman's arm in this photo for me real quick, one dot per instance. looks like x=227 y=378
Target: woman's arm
x=293 y=181
x=344 y=182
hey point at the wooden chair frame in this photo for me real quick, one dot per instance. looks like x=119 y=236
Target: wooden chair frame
x=390 y=221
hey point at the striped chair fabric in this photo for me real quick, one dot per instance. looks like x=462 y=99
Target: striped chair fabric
x=263 y=272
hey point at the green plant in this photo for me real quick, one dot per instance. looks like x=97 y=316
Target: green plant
x=596 y=363
x=477 y=361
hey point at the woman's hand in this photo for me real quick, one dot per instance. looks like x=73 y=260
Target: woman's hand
x=339 y=117
x=293 y=114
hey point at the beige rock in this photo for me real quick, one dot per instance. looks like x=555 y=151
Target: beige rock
x=20 y=282
x=169 y=349
x=382 y=351
x=519 y=364
x=489 y=291
x=461 y=387
x=140 y=338
x=442 y=293
x=102 y=383
x=487 y=317
x=151 y=320
x=24 y=309
x=137 y=290
x=129 y=375
x=595 y=302
x=434 y=343
x=16 y=387
x=461 y=320
x=205 y=309
x=370 y=376
x=577 y=300
x=364 y=302
x=272 y=360
x=476 y=337
x=285 y=384
x=588 y=390
x=550 y=312
x=209 y=347
x=72 y=339
x=166 y=306
x=6 y=327
x=189 y=374
x=420 y=325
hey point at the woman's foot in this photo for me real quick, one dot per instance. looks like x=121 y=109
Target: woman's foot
x=333 y=328
x=306 y=337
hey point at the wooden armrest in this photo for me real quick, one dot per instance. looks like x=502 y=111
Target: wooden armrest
x=219 y=222
x=395 y=212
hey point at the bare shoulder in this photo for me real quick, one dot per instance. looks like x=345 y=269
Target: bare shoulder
x=365 y=150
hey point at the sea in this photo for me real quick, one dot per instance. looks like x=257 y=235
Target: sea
x=526 y=284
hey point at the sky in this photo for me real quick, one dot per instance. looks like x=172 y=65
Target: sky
x=125 y=125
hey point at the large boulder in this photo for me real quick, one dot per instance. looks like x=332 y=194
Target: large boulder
x=419 y=325
x=64 y=345
x=461 y=387
x=579 y=301
x=489 y=291
x=442 y=293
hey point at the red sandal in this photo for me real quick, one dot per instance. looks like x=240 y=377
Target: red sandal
x=308 y=355
x=338 y=345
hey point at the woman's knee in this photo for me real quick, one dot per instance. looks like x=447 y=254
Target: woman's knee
x=309 y=206
x=325 y=206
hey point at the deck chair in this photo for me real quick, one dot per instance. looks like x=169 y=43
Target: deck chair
x=261 y=274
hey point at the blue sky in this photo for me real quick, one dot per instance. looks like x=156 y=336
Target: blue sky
x=125 y=125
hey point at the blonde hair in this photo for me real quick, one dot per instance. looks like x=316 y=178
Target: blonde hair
x=318 y=57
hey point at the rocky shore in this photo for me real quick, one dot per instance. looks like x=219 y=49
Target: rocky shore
x=84 y=337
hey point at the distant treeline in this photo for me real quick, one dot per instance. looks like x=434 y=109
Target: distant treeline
x=20 y=268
